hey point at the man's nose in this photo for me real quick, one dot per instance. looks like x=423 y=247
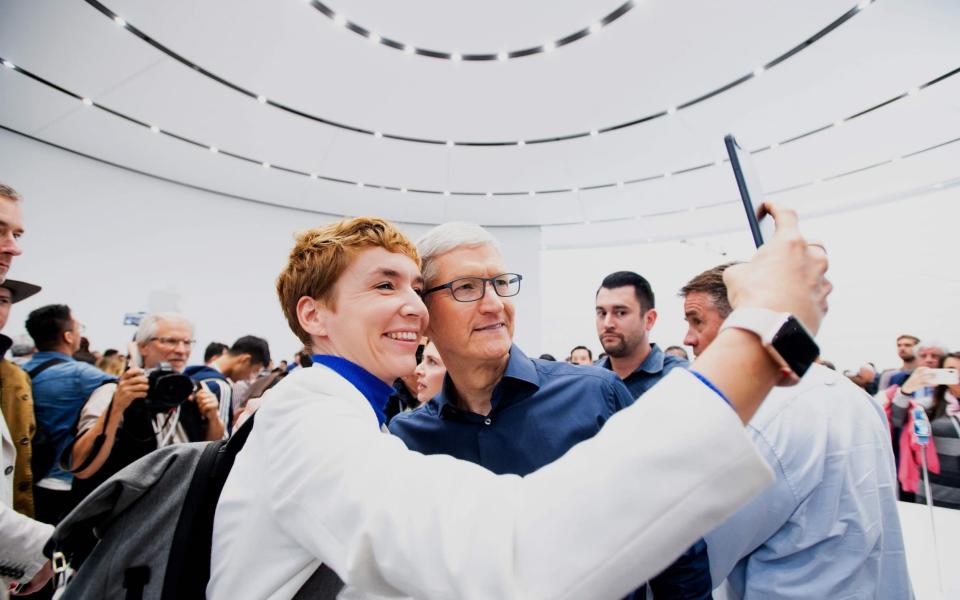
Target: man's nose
x=9 y=245
x=491 y=301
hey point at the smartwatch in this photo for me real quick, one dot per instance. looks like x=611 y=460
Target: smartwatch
x=783 y=336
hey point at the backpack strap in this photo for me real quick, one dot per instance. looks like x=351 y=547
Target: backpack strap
x=32 y=373
x=188 y=565
x=324 y=584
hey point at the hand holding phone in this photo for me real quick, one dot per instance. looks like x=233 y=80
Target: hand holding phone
x=758 y=218
x=944 y=376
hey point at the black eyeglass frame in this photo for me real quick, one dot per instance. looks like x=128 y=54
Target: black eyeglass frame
x=483 y=292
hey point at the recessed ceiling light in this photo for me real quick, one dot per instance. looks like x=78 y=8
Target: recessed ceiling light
x=502 y=55
x=521 y=143
x=668 y=174
x=455 y=57
x=403 y=190
x=339 y=20
x=594 y=132
x=719 y=162
x=596 y=27
x=374 y=37
x=261 y=100
x=377 y=134
x=119 y=21
x=549 y=47
x=154 y=129
x=619 y=184
x=759 y=71
x=774 y=145
x=863 y=4
x=214 y=149
x=408 y=49
x=265 y=165
x=672 y=110
x=913 y=91
x=838 y=123
x=531 y=193
x=9 y=64
x=87 y=101
x=360 y=184
x=446 y=192
x=313 y=175
x=449 y=143
x=489 y=194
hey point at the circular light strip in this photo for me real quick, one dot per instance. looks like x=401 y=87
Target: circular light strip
x=667 y=111
x=155 y=129
x=937 y=186
x=501 y=55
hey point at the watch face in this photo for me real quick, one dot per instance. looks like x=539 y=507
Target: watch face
x=796 y=346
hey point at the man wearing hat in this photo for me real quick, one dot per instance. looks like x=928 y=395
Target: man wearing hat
x=16 y=399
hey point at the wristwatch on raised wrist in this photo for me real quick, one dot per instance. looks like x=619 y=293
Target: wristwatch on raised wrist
x=784 y=337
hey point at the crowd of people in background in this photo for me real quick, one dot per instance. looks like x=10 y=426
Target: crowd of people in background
x=79 y=414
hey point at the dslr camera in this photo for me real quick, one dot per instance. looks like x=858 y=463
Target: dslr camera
x=167 y=388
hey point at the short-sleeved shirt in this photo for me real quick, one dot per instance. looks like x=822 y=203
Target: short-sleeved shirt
x=653 y=368
x=59 y=393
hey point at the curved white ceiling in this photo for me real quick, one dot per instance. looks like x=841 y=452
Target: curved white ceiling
x=655 y=56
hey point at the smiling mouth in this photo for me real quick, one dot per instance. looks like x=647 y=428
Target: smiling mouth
x=493 y=327
x=403 y=336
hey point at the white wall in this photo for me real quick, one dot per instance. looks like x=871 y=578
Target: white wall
x=106 y=242
x=893 y=267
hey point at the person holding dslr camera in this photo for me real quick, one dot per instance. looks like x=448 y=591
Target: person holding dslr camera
x=152 y=406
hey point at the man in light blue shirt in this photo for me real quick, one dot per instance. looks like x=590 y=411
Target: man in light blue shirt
x=828 y=527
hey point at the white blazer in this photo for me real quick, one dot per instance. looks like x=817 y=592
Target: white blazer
x=21 y=538
x=318 y=481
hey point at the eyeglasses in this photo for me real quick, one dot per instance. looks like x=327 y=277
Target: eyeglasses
x=172 y=342
x=471 y=289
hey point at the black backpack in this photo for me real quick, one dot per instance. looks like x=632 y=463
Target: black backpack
x=146 y=532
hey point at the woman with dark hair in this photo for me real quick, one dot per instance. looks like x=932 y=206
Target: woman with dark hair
x=943 y=455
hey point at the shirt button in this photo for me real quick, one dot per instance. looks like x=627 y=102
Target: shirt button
x=8 y=470
x=487 y=421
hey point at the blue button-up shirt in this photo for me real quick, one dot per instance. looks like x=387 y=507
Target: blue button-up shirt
x=59 y=392
x=539 y=410
x=653 y=368
x=828 y=527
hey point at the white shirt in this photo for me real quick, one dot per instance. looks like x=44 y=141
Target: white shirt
x=828 y=527
x=318 y=481
x=21 y=538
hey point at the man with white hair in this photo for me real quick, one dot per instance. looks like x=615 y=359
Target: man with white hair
x=498 y=408
x=117 y=426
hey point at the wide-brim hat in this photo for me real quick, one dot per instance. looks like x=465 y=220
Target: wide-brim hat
x=20 y=290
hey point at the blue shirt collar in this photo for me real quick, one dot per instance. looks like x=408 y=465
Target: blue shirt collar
x=375 y=391
x=519 y=369
x=652 y=364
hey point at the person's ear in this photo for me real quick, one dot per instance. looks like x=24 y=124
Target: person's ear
x=313 y=316
x=650 y=318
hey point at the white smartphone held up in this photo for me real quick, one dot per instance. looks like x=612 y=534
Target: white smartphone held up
x=945 y=377
x=760 y=222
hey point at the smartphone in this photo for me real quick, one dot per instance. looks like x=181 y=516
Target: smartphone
x=760 y=222
x=945 y=376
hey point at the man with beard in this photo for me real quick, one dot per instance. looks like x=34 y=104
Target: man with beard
x=625 y=316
